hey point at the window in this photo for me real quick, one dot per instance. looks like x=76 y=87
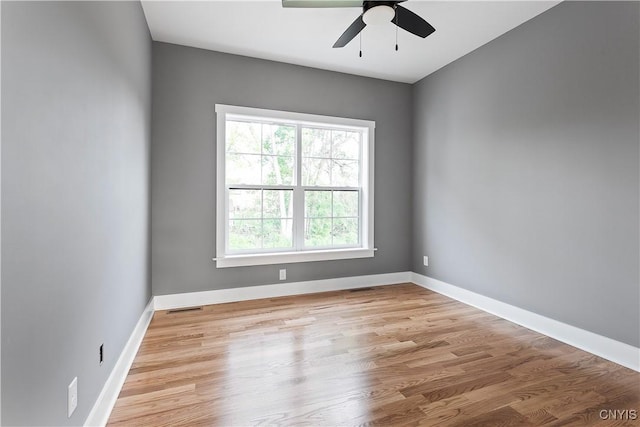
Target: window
x=292 y=187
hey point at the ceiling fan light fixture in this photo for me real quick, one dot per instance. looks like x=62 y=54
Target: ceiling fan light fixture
x=378 y=15
x=381 y=11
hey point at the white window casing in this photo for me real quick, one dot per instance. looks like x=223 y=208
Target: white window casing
x=226 y=257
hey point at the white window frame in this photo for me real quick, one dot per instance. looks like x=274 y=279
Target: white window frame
x=366 y=247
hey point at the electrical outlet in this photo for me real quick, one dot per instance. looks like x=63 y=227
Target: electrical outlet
x=72 y=397
x=101 y=352
x=425 y=261
x=283 y=274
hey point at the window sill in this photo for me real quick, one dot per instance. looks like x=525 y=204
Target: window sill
x=289 y=257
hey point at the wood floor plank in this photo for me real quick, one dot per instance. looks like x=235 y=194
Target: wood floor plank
x=395 y=355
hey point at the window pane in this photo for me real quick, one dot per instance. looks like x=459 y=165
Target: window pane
x=316 y=172
x=245 y=234
x=345 y=203
x=245 y=204
x=277 y=204
x=277 y=170
x=317 y=232
x=277 y=233
x=317 y=204
x=268 y=161
x=243 y=137
x=346 y=145
x=345 y=231
x=345 y=173
x=278 y=139
x=316 y=142
x=243 y=169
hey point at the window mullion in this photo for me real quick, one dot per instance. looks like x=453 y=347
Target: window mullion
x=298 y=196
x=261 y=219
x=259 y=187
x=362 y=221
x=332 y=213
x=327 y=188
x=227 y=223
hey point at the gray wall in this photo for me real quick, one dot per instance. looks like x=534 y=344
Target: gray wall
x=526 y=168
x=187 y=83
x=76 y=98
x=0 y=221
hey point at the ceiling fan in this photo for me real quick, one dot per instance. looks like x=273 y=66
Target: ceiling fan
x=372 y=12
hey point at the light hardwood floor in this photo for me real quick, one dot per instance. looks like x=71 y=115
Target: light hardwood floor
x=390 y=355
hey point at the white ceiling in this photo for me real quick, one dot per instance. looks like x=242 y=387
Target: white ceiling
x=264 y=29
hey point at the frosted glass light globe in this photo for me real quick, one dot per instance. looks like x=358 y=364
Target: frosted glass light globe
x=378 y=15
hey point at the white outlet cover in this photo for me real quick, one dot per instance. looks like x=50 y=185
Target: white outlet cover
x=425 y=261
x=72 y=397
x=283 y=274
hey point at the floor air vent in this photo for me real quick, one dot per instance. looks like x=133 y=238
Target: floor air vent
x=360 y=289
x=182 y=310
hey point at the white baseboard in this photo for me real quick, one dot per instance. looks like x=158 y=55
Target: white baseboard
x=191 y=299
x=101 y=410
x=615 y=351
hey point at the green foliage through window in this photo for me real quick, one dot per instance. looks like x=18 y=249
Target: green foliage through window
x=261 y=183
x=331 y=218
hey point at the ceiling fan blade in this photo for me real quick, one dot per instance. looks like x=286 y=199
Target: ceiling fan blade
x=411 y=22
x=321 y=3
x=351 y=32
